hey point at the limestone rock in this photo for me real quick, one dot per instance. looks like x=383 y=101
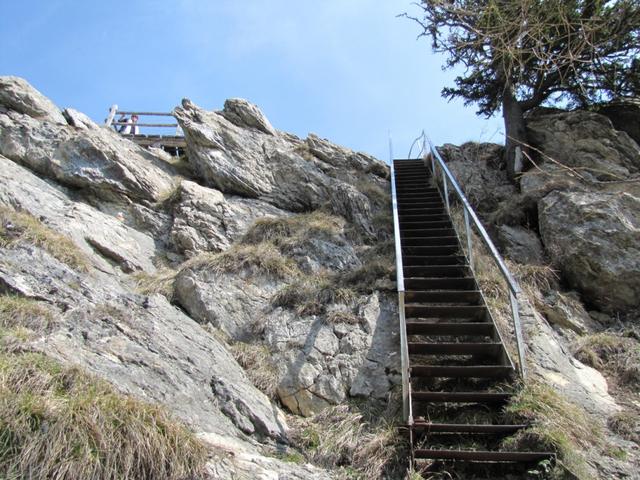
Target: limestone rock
x=91 y=230
x=144 y=346
x=78 y=119
x=520 y=245
x=246 y=115
x=625 y=116
x=478 y=169
x=18 y=95
x=595 y=240
x=566 y=311
x=586 y=141
x=272 y=168
x=207 y=221
x=98 y=160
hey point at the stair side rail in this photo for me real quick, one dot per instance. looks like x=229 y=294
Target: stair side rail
x=471 y=218
x=404 y=346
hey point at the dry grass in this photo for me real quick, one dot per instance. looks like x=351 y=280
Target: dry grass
x=559 y=426
x=311 y=295
x=344 y=438
x=254 y=259
x=288 y=232
x=258 y=365
x=24 y=312
x=373 y=274
x=375 y=193
x=342 y=316
x=626 y=424
x=617 y=356
x=159 y=282
x=21 y=228
x=58 y=422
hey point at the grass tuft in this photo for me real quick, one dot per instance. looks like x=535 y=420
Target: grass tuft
x=21 y=228
x=559 y=426
x=57 y=422
x=254 y=259
x=615 y=355
x=24 y=312
x=258 y=365
x=311 y=295
x=159 y=282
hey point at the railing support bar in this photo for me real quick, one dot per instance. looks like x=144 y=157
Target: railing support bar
x=445 y=191
x=518 y=331
x=469 y=239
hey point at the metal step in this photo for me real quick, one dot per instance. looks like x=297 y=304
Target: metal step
x=482 y=456
x=449 y=271
x=433 y=260
x=428 y=232
x=429 y=241
x=431 y=250
x=488 y=349
x=449 y=328
x=417 y=283
x=443 y=296
x=429 y=428
x=422 y=218
x=461 y=397
x=457 y=371
x=420 y=210
x=421 y=310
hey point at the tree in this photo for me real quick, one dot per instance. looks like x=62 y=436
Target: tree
x=520 y=54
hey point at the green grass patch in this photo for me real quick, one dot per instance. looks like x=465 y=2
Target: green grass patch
x=558 y=426
x=21 y=228
x=58 y=422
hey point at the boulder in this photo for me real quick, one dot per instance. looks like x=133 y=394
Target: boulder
x=594 y=238
x=246 y=115
x=586 y=142
x=97 y=159
x=625 y=116
x=520 y=244
x=18 y=95
x=78 y=119
x=205 y=220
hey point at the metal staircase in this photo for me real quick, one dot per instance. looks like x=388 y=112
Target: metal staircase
x=457 y=374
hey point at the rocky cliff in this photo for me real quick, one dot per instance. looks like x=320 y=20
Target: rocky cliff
x=247 y=287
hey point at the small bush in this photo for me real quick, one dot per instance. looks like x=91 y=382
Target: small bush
x=618 y=356
x=22 y=228
x=57 y=422
x=559 y=426
x=258 y=365
x=255 y=259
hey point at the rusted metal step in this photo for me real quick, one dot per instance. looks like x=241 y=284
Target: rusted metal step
x=464 y=371
x=432 y=271
x=422 y=217
x=461 y=397
x=411 y=210
x=428 y=232
x=417 y=283
x=431 y=250
x=421 y=310
x=443 y=296
x=466 y=428
x=482 y=455
x=429 y=241
x=433 y=260
x=488 y=349
x=450 y=329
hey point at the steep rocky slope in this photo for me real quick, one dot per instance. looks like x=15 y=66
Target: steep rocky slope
x=248 y=287
x=262 y=211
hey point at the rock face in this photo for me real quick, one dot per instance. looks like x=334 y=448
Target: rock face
x=595 y=239
x=587 y=141
x=275 y=168
x=18 y=95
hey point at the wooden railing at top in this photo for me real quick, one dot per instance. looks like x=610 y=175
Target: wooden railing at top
x=113 y=111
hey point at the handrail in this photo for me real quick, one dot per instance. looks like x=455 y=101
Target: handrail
x=436 y=160
x=404 y=346
x=110 y=121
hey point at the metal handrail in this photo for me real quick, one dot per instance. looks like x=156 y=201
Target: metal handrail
x=404 y=346
x=514 y=288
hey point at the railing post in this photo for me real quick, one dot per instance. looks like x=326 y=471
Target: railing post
x=518 y=331
x=112 y=113
x=469 y=239
x=445 y=192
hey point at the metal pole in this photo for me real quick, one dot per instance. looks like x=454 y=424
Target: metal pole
x=112 y=113
x=446 y=193
x=518 y=331
x=469 y=239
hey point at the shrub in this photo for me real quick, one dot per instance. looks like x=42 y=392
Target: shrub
x=21 y=228
x=57 y=422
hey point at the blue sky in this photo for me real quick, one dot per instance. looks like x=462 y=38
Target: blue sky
x=347 y=70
